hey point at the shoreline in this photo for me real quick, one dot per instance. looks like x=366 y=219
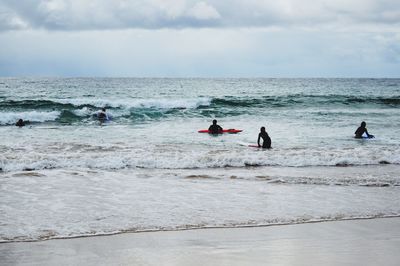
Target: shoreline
x=346 y=242
x=394 y=216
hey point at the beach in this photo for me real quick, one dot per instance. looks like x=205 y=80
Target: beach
x=352 y=242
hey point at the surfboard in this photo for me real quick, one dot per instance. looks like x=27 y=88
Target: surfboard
x=364 y=136
x=231 y=131
x=253 y=146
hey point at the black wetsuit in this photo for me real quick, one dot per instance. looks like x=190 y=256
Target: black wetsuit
x=266 y=140
x=102 y=116
x=360 y=131
x=20 y=124
x=215 y=129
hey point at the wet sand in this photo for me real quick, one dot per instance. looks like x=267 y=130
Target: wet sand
x=355 y=242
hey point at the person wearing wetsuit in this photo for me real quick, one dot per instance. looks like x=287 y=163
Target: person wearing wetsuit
x=361 y=130
x=266 y=139
x=214 y=128
x=20 y=123
x=102 y=115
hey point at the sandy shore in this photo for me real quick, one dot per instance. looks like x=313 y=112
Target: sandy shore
x=356 y=242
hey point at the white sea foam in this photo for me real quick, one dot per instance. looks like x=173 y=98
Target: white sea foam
x=60 y=203
x=178 y=157
x=84 y=111
x=161 y=103
x=9 y=118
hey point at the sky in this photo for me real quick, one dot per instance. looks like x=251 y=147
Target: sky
x=210 y=38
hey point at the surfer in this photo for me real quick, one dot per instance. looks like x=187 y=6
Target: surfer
x=361 y=130
x=214 y=128
x=266 y=139
x=20 y=123
x=102 y=115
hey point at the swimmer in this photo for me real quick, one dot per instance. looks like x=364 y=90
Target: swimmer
x=214 y=128
x=361 y=130
x=266 y=139
x=20 y=123
x=102 y=115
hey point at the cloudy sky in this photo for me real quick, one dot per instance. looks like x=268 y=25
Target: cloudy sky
x=209 y=38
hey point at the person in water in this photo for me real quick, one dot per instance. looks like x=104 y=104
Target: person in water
x=361 y=130
x=214 y=128
x=102 y=115
x=20 y=123
x=266 y=139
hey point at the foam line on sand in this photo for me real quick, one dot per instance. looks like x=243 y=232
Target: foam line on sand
x=352 y=242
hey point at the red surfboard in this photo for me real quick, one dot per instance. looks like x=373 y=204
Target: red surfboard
x=231 y=130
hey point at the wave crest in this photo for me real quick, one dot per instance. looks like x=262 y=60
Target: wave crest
x=10 y=118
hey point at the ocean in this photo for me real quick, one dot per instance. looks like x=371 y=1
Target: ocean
x=65 y=174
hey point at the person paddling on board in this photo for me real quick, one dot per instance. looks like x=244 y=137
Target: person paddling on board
x=214 y=128
x=361 y=130
x=266 y=139
x=102 y=115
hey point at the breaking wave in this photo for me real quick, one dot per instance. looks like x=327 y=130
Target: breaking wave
x=9 y=118
x=158 y=103
x=177 y=157
x=72 y=110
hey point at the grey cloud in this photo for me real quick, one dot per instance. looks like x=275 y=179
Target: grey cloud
x=154 y=14
x=89 y=14
x=9 y=20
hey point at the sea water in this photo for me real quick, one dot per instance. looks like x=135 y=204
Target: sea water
x=65 y=174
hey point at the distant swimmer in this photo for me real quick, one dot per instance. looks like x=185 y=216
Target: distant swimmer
x=266 y=139
x=20 y=123
x=361 y=130
x=214 y=128
x=102 y=115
